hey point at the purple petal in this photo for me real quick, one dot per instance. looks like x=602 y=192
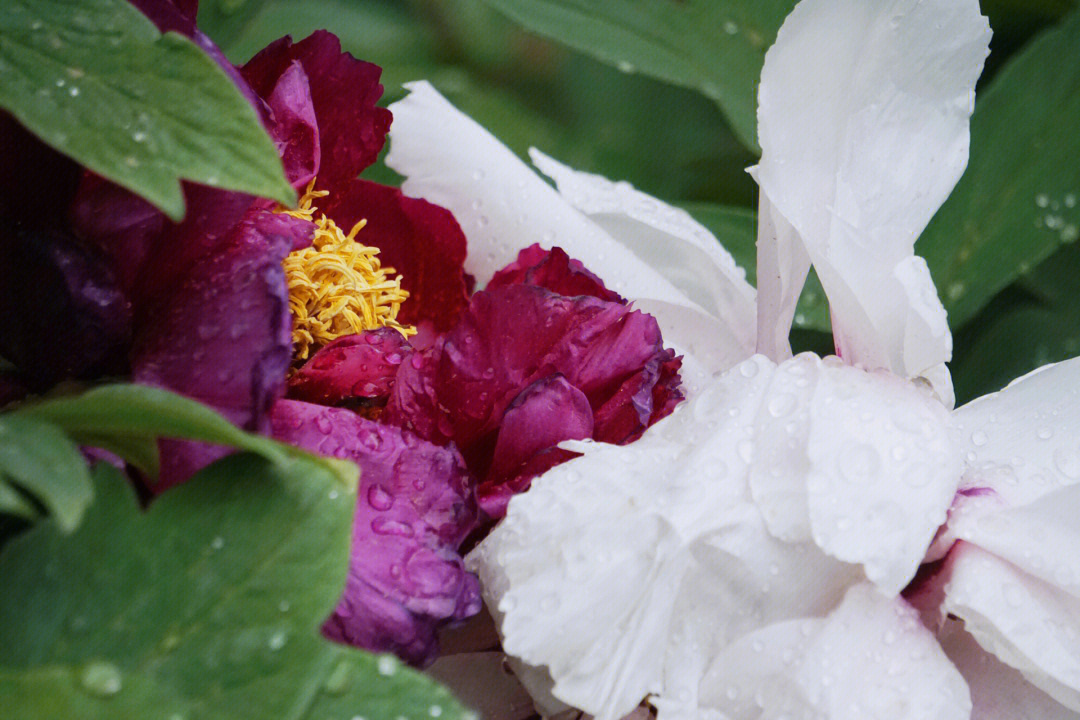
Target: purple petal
x=354 y=366
x=555 y=270
x=543 y=415
x=223 y=336
x=414 y=508
x=62 y=312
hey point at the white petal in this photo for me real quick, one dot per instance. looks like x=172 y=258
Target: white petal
x=623 y=571
x=1040 y=538
x=883 y=471
x=503 y=206
x=870 y=659
x=1027 y=623
x=998 y=692
x=782 y=265
x=666 y=238
x=1032 y=427
x=861 y=462
x=863 y=115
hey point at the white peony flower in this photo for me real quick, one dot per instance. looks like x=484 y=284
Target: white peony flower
x=746 y=557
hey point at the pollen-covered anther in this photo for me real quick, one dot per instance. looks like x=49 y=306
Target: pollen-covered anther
x=338 y=286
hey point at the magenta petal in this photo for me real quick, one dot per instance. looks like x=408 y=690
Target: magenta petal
x=344 y=93
x=543 y=415
x=414 y=508
x=512 y=336
x=555 y=270
x=223 y=336
x=354 y=366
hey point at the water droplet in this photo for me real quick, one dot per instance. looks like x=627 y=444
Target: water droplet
x=283 y=606
x=217 y=543
x=730 y=27
x=435 y=710
x=1045 y=433
x=138 y=136
x=859 y=463
x=625 y=66
x=956 y=290
x=478 y=175
x=74 y=92
x=1042 y=200
x=781 y=405
x=379 y=499
x=277 y=640
x=978 y=438
x=387 y=665
x=749 y=368
x=337 y=682
x=102 y=678
x=386 y=526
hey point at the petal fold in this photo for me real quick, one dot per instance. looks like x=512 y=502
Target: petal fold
x=847 y=91
x=414 y=507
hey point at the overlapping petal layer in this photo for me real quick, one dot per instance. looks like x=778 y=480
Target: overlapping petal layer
x=223 y=336
x=628 y=571
x=504 y=207
x=414 y=508
x=847 y=92
x=510 y=338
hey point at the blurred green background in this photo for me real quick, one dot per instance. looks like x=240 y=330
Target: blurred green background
x=1001 y=250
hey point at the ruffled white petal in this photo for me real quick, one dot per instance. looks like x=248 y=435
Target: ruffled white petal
x=624 y=571
x=998 y=692
x=1028 y=623
x=863 y=121
x=503 y=206
x=861 y=462
x=667 y=239
x=1030 y=431
x=883 y=471
x=869 y=659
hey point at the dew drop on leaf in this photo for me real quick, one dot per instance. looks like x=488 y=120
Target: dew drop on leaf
x=102 y=678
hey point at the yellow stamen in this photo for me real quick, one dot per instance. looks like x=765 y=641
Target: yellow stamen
x=337 y=286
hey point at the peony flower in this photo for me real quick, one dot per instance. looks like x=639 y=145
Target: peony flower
x=341 y=301
x=805 y=537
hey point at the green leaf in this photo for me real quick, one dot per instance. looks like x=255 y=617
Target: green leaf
x=96 y=81
x=716 y=47
x=736 y=230
x=1034 y=322
x=40 y=459
x=206 y=606
x=128 y=419
x=1019 y=200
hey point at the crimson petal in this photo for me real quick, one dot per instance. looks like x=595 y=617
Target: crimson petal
x=555 y=270
x=344 y=90
x=421 y=241
x=543 y=415
x=508 y=338
x=223 y=336
x=414 y=508
x=354 y=366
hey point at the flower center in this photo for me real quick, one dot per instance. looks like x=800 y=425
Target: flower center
x=337 y=286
